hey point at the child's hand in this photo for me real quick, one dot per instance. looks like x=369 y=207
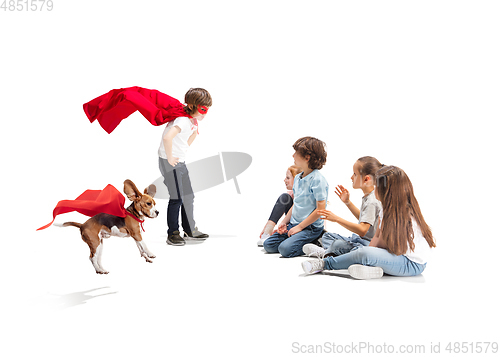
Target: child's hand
x=328 y=215
x=282 y=228
x=173 y=160
x=342 y=193
x=294 y=230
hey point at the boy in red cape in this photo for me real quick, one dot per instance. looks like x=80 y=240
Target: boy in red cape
x=158 y=108
x=176 y=140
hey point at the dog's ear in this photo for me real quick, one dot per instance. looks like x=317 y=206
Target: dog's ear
x=151 y=190
x=131 y=190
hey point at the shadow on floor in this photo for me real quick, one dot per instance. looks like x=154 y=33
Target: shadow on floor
x=65 y=301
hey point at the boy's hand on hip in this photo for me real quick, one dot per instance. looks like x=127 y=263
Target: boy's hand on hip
x=294 y=230
x=173 y=161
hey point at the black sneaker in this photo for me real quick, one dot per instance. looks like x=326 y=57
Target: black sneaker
x=175 y=239
x=196 y=234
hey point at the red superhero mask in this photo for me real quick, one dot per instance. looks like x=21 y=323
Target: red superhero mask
x=202 y=109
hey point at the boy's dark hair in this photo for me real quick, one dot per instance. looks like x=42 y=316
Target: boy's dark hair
x=315 y=148
x=195 y=97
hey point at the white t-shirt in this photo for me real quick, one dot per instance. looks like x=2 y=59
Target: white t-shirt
x=180 y=143
x=422 y=251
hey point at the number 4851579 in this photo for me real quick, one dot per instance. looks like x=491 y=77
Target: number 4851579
x=472 y=347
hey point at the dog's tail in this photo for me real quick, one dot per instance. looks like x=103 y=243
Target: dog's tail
x=67 y=224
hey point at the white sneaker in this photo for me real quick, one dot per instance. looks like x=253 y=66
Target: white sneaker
x=312 y=250
x=263 y=237
x=364 y=272
x=313 y=266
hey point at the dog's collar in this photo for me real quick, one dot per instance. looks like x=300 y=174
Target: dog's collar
x=137 y=219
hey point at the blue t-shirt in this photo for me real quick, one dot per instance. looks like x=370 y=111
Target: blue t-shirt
x=306 y=192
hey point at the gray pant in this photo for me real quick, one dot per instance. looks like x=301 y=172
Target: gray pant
x=181 y=196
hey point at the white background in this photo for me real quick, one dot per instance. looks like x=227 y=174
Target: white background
x=415 y=84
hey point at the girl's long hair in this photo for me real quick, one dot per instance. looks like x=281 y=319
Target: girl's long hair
x=395 y=191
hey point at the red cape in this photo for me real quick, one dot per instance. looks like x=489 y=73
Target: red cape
x=92 y=202
x=111 y=108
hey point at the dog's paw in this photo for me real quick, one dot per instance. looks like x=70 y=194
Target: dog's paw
x=102 y=272
x=145 y=256
x=104 y=235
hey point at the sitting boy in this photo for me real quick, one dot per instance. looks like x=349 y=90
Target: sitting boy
x=302 y=224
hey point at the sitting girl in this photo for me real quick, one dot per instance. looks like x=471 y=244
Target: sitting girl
x=282 y=205
x=402 y=244
x=363 y=231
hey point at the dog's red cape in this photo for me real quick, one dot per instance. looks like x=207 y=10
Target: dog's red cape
x=111 y=108
x=92 y=202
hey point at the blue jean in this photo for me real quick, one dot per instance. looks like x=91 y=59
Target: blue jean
x=290 y=247
x=397 y=265
x=336 y=244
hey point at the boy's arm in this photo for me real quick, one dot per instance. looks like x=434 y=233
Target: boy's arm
x=288 y=216
x=359 y=228
x=320 y=205
x=285 y=221
x=192 y=137
x=167 y=144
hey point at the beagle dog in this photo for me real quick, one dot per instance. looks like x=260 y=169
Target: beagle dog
x=104 y=225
